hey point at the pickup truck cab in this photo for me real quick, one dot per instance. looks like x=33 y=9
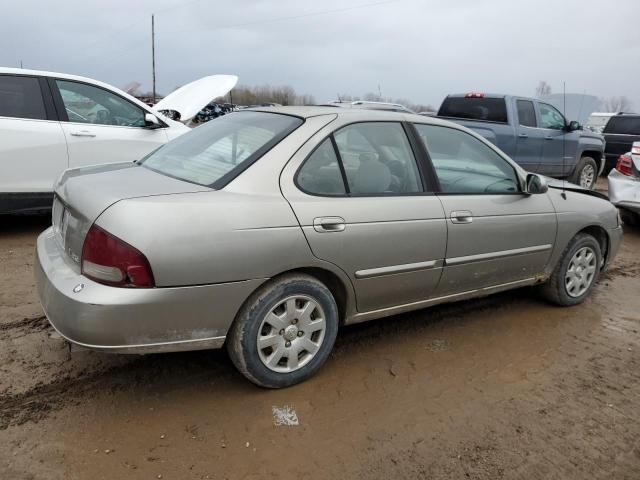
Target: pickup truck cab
x=533 y=133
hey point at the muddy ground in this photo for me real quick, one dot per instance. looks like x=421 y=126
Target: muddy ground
x=503 y=387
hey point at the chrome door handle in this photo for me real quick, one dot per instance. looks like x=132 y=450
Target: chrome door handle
x=83 y=133
x=328 y=224
x=523 y=135
x=461 y=216
x=548 y=137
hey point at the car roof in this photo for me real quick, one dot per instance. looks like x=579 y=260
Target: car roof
x=44 y=73
x=359 y=114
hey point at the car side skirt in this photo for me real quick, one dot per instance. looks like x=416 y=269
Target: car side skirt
x=481 y=292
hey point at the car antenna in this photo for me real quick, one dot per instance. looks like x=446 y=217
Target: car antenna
x=564 y=138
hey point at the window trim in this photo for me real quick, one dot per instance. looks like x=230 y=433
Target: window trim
x=440 y=192
x=62 y=112
x=49 y=111
x=425 y=190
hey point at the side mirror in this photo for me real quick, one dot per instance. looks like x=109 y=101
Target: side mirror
x=573 y=126
x=536 y=184
x=151 y=121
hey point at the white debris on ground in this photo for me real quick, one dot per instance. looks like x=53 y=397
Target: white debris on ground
x=285 y=416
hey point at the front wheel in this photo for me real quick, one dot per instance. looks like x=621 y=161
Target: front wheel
x=586 y=173
x=285 y=332
x=576 y=273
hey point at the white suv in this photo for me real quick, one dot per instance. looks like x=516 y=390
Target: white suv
x=51 y=121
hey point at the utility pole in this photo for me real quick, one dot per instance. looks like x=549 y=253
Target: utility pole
x=153 y=57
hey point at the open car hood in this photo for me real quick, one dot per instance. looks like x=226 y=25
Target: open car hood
x=576 y=106
x=189 y=99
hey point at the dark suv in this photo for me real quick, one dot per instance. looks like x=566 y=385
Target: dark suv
x=620 y=132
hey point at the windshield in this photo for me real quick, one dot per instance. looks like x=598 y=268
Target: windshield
x=213 y=153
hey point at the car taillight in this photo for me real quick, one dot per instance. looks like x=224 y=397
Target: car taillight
x=625 y=165
x=635 y=149
x=474 y=95
x=110 y=261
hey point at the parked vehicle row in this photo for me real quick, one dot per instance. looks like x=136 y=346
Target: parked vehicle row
x=533 y=133
x=267 y=230
x=51 y=121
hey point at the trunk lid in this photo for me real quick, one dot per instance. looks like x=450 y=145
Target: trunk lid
x=189 y=99
x=82 y=194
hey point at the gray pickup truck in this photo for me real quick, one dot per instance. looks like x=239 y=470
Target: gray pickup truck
x=535 y=134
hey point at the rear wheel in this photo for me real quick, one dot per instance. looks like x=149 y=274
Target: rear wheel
x=285 y=332
x=586 y=173
x=576 y=273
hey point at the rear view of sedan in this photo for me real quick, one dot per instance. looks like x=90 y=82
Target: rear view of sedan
x=265 y=231
x=624 y=185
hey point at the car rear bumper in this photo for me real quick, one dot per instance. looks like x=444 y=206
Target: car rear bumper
x=624 y=191
x=130 y=320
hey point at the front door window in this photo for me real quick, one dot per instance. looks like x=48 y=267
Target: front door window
x=88 y=104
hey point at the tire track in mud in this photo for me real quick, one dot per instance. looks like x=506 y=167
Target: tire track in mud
x=33 y=323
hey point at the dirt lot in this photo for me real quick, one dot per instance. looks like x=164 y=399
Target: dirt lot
x=503 y=387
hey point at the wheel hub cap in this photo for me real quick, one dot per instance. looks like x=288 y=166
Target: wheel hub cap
x=291 y=334
x=581 y=272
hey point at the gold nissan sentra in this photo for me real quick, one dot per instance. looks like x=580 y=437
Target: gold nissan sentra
x=266 y=230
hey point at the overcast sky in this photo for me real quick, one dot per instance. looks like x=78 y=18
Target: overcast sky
x=415 y=49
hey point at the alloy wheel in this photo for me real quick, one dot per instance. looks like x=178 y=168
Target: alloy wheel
x=587 y=176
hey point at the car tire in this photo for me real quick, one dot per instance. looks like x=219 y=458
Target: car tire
x=585 y=173
x=631 y=219
x=559 y=289
x=271 y=320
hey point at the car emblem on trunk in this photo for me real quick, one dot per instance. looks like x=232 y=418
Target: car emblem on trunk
x=78 y=288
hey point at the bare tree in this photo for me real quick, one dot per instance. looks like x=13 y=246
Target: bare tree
x=543 y=89
x=615 y=104
x=284 y=95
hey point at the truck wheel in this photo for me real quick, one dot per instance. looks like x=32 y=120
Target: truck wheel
x=285 y=332
x=586 y=173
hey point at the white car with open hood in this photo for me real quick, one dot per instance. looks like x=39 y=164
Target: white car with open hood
x=50 y=122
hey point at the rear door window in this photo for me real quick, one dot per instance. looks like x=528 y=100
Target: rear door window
x=475 y=108
x=21 y=97
x=526 y=113
x=321 y=173
x=623 y=125
x=377 y=159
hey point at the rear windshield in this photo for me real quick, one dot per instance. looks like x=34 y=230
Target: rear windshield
x=486 y=109
x=623 y=125
x=217 y=151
